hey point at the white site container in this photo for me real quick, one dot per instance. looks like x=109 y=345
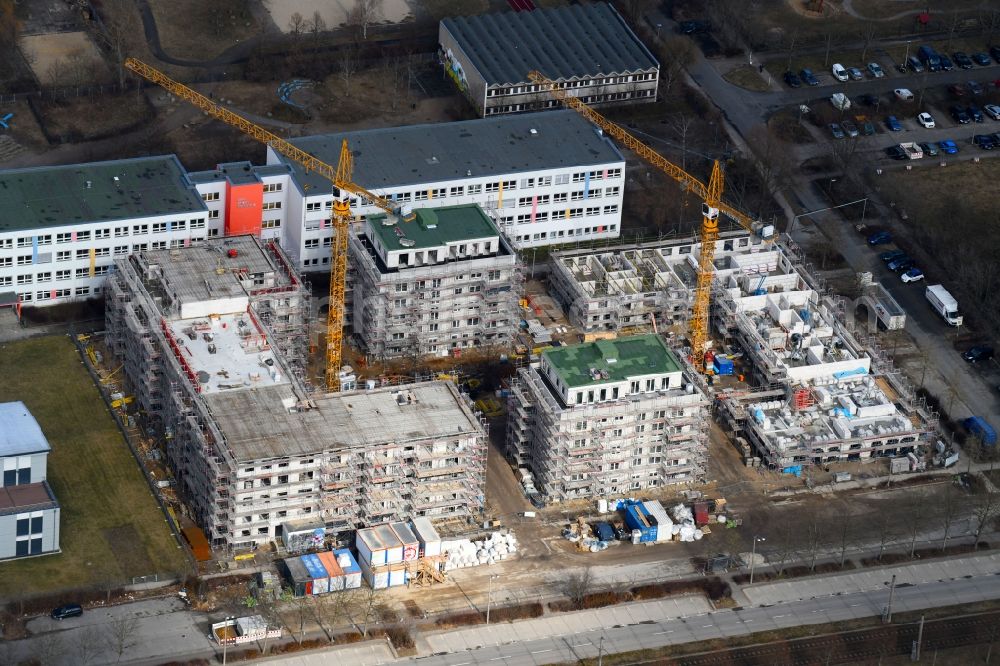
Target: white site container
x=430 y=542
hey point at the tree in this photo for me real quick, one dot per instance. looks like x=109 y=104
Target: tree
x=347 y=66
x=363 y=14
x=984 y=509
x=886 y=528
x=676 y=53
x=949 y=507
x=328 y=609
x=912 y=522
x=844 y=532
x=88 y=646
x=774 y=163
x=49 y=651
x=317 y=27
x=121 y=29
x=578 y=585
x=121 y=635
x=868 y=36
x=681 y=125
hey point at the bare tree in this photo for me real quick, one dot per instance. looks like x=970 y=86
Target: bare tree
x=844 y=531
x=681 y=125
x=774 y=162
x=348 y=66
x=121 y=29
x=317 y=27
x=364 y=13
x=578 y=585
x=676 y=53
x=49 y=651
x=328 y=609
x=297 y=25
x=813 y=537
x=912 y=522
x=364 y=602
x=87 y=646
x=886 y=527
x=122 y=635
x=868 y=36
x=984 y=509
x=949 y=507
x=990 y=21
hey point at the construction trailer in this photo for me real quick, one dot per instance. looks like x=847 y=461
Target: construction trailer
x=607 y=417
x=213 y=339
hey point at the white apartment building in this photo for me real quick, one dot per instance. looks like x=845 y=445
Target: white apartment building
x=62 y=227
x=444 y=282
x=607 y=417
x=544 y=178
x=588 y=50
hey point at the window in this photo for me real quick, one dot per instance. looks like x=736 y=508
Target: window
x=82 y=291
x=561 y=179
x=527 y=182
x=210 y=196
x=611 y=209
x=100 y=234
x=5 y=280
x=272 y=187
x=24 y=241
x=198 y=224
x=83 y=235
x=313 y=207
x=311 y=243
x=64 y=274
x=6 y=261
x=271 y=205
x=25 y=279
x=65 y=237
x=559 y=198
x=438 y=193
x=158 y=245
x=140 y=229
x=24 y=260
x=212 y=215
x=420 y=195
x=456 y=191
x=102 y=252
x=121 y=250
x=121 y=231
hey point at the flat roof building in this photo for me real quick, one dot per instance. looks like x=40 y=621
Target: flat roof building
x=445 y=282
x=588 y=49
x=213 y=338
x=29 y=512
x=607 y=417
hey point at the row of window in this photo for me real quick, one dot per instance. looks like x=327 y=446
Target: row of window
x=498 y=91
x=101 y=234
x=27 y=296
x=562 y=233
x=539 y=105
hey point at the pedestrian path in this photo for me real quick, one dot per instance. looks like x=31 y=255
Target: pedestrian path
x=371 y=653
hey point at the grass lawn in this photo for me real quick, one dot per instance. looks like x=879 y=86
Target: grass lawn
x=747 y=77
x=111 y=527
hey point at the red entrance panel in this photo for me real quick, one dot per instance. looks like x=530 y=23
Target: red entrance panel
x=243 y=209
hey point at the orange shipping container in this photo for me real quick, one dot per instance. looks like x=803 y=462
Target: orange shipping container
x=329 y=561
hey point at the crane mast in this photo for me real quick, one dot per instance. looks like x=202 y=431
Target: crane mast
x=710 y=194
x=341 y=177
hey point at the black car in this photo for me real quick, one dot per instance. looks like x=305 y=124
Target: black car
x=946 y=64
x=914 y=64
x=69 y=610
x=809 y=77
x=978 y=353
x=984 y=141
x=995 y=52
x=868 y=99
x=693 y=27
x=792 y=80
x=975 y=113
x=981 y=59
x=896 y=153
x=974 y=87
x=960 y=115
x=962 y=60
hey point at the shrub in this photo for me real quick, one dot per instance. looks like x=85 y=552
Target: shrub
x=511 y=613
x=460 y=619
x=349 y=637
x=400 y=638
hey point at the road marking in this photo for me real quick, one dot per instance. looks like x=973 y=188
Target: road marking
x=747 y=621
x=581 y=644
x=541 y=651
x=660 y=633
x=499 y=658
x=854 y=605
x=777 y=616
x=706 y=626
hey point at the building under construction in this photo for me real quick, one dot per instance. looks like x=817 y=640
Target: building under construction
x=607 y=417
x=212 y=338
x=819 y=397
x=616 y=289
x=445 y=282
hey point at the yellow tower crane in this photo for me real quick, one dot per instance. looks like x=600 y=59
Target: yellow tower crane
x=710 y=194
x=341 y=177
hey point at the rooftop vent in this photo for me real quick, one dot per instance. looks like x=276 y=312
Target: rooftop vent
x=89 y=184
x=432 y=160
x=407 y=242
x=533 y=131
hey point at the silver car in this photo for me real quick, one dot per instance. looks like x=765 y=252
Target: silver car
x=875 y=70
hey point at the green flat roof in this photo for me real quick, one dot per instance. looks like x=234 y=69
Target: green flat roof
x=434 y=227
x=620 y=359
x=55 y=196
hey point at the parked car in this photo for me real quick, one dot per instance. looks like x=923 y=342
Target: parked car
x=975 y=113
x=809 y=77
x=978 y=353
x=948 y=147
x=890 y=255
x=850 y=128
x=914 y=65
x=792 y=80
x=868 y=100
x=993 y=111
x=961 y=60
x=898 y=264
x=855 y=74
x=995 y=52
x=975 y=88
x=996 y=138
x=893 y=124
x=896 y=153
x=66 y=611
x=982 y=59
x=946 y=64
x=836 y=131
x=912 y=275
x=984 y=141
x=875 y=70
x=693 y=27
x=930 y=149
x=604 y=531
x=959 y=115
x=926 y=120
x=839 y=72
x=904 y=94
x=958 y=90
x=867 y=127
x=880 y=238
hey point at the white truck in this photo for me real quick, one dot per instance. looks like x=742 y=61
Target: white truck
x=944 y=304
x=912 y=150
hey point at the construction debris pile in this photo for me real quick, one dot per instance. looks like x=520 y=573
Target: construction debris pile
x=467 y=553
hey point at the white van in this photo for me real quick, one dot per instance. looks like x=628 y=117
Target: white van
x=840 y=73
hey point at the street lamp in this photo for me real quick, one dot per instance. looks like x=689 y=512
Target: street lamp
x=658 y=26
x=907 y=56
x=753 y=555
x=225 y=640
x=489 y=597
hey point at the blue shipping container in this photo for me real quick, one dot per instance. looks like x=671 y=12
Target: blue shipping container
x=314 y=567
x=637 y=518
x=723 y=365
x=977 y=427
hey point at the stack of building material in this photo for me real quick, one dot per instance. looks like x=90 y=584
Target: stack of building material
x=538 y=331
x=467 y=553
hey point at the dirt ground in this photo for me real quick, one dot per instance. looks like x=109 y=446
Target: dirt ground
x=334 y=13
x=193 y=30
x=51 y=55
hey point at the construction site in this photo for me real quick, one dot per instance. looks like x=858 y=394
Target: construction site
x=446 y=282
x=213 y=341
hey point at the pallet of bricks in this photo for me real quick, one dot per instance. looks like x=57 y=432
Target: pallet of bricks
x=389 y=554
